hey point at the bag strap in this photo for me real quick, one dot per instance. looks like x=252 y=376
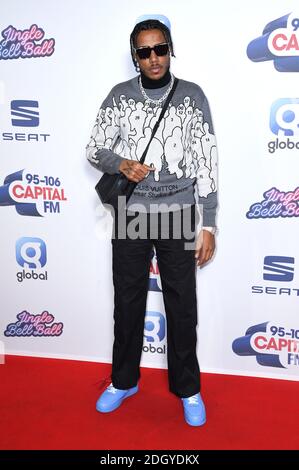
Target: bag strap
x=160 y=118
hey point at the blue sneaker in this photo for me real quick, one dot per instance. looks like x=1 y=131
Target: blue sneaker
x=194 y=410
x=112 y=398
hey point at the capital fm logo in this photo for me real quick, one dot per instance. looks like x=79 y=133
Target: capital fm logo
x=24 y=114
x=275 y=204
x=278 y=272
x=38 y=325
x=32 y=194
x=31 y=255
x=279 y=42
x=284 y=124
x=154 y=332
x=154 y=277
x=273 y=345
x=25 y=43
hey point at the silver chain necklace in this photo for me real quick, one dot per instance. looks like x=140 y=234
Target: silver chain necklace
x=160 y=100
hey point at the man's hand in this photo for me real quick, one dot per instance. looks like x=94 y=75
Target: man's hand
x=135 y=171
x=205 y=246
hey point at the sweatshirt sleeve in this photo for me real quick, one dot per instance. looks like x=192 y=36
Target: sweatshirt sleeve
x=104 y=137
x=207 y=170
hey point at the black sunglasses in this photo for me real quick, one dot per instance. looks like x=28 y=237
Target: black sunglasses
x=159 y=50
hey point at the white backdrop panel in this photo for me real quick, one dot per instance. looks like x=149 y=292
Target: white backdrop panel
x=234 y=291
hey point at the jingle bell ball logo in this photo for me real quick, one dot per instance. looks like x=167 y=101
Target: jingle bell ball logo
x=273 y=345
x=279 y=42
x=32 y=194
x=276 y=204
x=39 y=325
x=154 y=332
x=25 y=43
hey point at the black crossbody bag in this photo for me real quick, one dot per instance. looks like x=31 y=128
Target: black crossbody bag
x=110 y=187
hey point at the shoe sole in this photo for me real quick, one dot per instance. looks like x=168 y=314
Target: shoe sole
x=118 y=403
x=192 y=423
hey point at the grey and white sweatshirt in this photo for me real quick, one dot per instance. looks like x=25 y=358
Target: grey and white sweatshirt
x=183 y=151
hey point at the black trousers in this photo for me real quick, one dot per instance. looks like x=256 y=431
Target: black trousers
x=131 y=264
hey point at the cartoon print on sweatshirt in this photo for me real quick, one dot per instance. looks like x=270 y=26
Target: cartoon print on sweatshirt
x=183 y=144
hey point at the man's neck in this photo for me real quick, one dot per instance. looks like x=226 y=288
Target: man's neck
x=149 y=83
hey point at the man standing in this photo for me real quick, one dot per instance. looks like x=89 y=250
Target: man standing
x=180 y=171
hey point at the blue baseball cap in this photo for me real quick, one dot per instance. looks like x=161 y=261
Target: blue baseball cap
x=162 y=18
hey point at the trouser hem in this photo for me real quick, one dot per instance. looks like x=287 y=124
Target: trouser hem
x=185 y=395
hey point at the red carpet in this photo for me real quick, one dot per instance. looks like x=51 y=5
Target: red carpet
x=50 y=404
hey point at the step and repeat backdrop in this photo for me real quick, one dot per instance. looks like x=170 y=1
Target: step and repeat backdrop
x=58 y=62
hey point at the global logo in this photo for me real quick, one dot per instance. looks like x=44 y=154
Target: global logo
x=279 y=42
x=277 y=269
x=284 y=123
x=272 y=344
x=154 y=332
x=154 y=277
x=31 y=255
x=25 y=113
x=284 y=117
x=32 y=194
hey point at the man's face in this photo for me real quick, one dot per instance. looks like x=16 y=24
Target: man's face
x=154 y=67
